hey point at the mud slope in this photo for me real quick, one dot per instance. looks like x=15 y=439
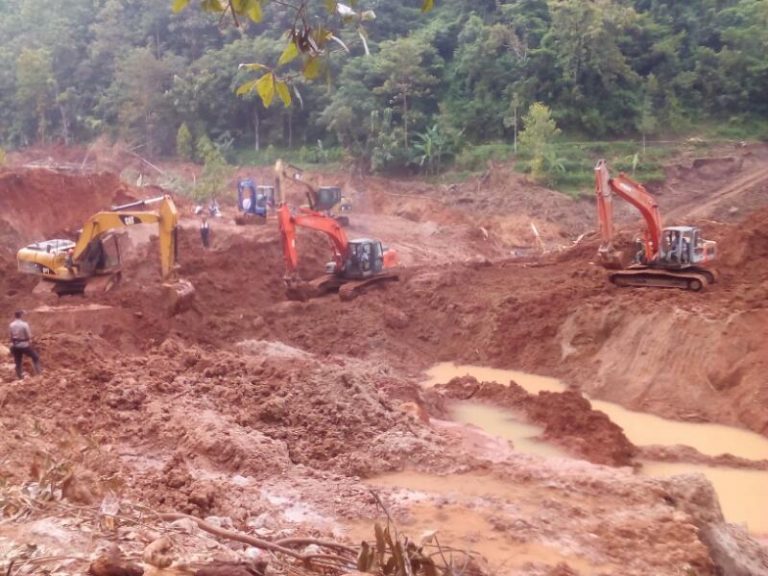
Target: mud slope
x=37 y=202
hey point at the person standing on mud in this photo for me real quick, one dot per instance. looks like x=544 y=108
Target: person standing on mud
x=21 y=344
x=205 y=233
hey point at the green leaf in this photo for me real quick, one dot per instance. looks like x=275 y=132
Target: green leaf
x=427 y=5
x=254 y=11
x=212 y=6
x=330 y=6
x=290 y=52
x=253 y=66
x=179 y=5
x=311 y=68
x=245 y=88
x=283 y=92
x=265 y=86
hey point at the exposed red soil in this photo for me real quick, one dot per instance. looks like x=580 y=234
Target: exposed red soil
x=250 y=384
x=36 y=204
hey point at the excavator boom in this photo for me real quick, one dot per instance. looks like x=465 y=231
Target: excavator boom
x=627 y=189
x=325 y=199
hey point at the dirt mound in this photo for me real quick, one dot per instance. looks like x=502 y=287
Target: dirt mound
x=36 y=204
x=567 y=417
x=742 y=247
x=256 y=409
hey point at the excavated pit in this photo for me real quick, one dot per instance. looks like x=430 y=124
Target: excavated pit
x=251 y=406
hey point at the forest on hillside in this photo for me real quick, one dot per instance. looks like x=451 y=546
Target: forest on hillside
x=463 y=73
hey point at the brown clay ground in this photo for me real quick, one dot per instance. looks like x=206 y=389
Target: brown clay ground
x=269 y=412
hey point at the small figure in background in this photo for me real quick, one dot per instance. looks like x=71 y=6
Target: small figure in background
x=205 y=233
x=21 y=344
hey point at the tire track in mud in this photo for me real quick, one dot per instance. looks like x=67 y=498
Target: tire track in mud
x=741 y=185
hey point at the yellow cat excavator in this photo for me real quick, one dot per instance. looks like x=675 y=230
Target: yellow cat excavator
x=327 y=200
x=93 y=263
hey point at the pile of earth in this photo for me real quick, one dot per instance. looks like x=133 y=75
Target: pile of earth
x=258 y=409
x=567 y=417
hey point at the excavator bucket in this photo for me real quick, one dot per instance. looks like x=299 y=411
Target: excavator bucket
x=611 y=258
x=300 y=290
x=179 y=296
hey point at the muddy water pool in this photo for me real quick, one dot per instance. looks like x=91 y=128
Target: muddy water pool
x=743 y=494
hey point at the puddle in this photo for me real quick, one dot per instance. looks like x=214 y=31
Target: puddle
x=503 y=424
x=711 y=439
x=441 y=373
x=641 y=428
x=743 y=494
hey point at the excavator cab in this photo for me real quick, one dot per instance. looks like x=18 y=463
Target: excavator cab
x=326 y=198
x=683 y=246
x=253 y=199
x=365 y=258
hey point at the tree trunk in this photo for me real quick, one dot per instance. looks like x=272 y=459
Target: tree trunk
x=405 y=118
x=41 y=127
x=256 y=128
x=149 y=135
x=64 y=123
x=514 y=144
x=290 y=130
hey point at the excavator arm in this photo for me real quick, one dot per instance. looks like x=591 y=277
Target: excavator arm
x=325 y=199
x=314 y=221
x=636 y=195
x=166 y=217
x=285 y=171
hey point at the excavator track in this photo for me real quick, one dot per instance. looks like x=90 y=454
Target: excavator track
x=249 y=219
x=347 y=289
x=84 y=286
x=350 y=290
x=694 y=279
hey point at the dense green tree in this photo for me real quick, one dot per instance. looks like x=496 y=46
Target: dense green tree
x=409 y=68
x=136 y=69
x=351 y=106
x=487 y=61
x=34 y=92
x=593 y=71
x=184 y=143
x=538 y=138
x=140 y=93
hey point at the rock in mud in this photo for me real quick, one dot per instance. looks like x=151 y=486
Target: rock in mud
x=111 y=563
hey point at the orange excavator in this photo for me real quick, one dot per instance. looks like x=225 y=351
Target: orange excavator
x=672 y=257
x=356 y=264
